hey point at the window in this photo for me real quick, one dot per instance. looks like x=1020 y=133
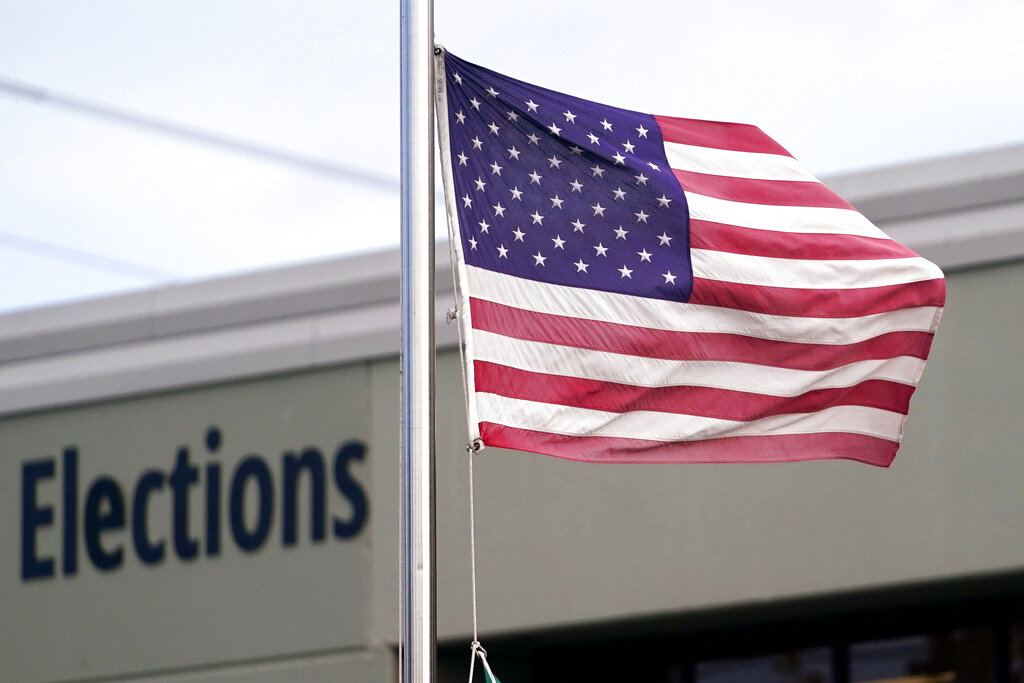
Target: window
x=799 y=666
x=959 y=656
x=1017 y=653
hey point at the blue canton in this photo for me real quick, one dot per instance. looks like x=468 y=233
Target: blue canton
x=562 y=190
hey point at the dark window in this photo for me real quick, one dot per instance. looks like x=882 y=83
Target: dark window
x=962 y=632
x=958 y=656
x=1017 y=653
x=799 y=666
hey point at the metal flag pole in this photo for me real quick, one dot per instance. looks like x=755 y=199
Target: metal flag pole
x=419 y=621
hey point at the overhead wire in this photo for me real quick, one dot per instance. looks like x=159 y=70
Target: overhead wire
x=259 y=150
x=89 y=259
x=119 y=115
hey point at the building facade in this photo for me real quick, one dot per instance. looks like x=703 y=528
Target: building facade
x=200 y=483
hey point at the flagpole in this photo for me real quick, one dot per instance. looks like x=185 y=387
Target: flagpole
x=419 y=621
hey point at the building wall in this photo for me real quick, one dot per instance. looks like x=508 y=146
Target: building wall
x=303 y=362
x=211 y=592
x=562 y=543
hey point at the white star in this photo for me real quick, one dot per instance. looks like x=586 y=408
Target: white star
x=601 y=249
x=460 y=117
x=472 y=243
x=641 y=179
x=653 y=165
x=641 y=217
x=554 y=161
x=467 y=201
x=576 y=150
x=539 y=260
x=475 y=103
x=533 y=139
x=642 y=132
x=670 y=279
x=495 y=169
x=664 y=239
x=462 y=159
x=555 y=130
x=581 y=267
x=514 y=153
x=531 y=105
x=479 y=184
x=594 y=140
x=458 y=79
x=607 y=126
x=597 y=170
x=519 y=234
x=499 y=210
x=598 y=209
x=535 y=177
x=512 y=116
x=494 y=127
x=557 y=239
x=556 y=203
x=628 y=146
x=516 y=192
x=484 y=226
x=577 y=225
x=620 y=234
x=577 y=186
x=619 y=193
x=492 y=92
x=619 y=159
x=626 y=272
x=502 y=251
x=644 y=256
x=663 y=201
x=537 y=218
x=477 y=143
x=569 y=116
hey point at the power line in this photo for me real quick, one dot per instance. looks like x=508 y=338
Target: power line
x=40 y=95
x=310 y=164
x=86 y=258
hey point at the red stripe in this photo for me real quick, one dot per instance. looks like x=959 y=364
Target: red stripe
x=781 y=448
x=738 y=137
x=737 y=240
x=817 y=303
x=752 y=191
x=721 y=404
x=669 y=345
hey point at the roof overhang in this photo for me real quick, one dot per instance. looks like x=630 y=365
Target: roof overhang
x=960 y=212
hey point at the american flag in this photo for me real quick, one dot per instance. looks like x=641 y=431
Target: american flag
x=638 y=288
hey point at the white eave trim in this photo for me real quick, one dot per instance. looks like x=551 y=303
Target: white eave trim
x=962 y=211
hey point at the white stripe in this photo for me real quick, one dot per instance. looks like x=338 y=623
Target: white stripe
x=656 y=426
x=810 y=274
x=797 y=219
x=606 y=366
x=724 y=162
x=658 y=314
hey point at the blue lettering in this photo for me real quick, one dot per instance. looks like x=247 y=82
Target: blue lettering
x=148 y=552
x=351 y=489
x=104 y=510
x=251 y=466
x=184 y=475
x=312 y=461
x=70 y=511
x=213 y=441
x=33 y=517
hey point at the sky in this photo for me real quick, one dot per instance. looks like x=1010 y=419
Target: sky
x=92 y=206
